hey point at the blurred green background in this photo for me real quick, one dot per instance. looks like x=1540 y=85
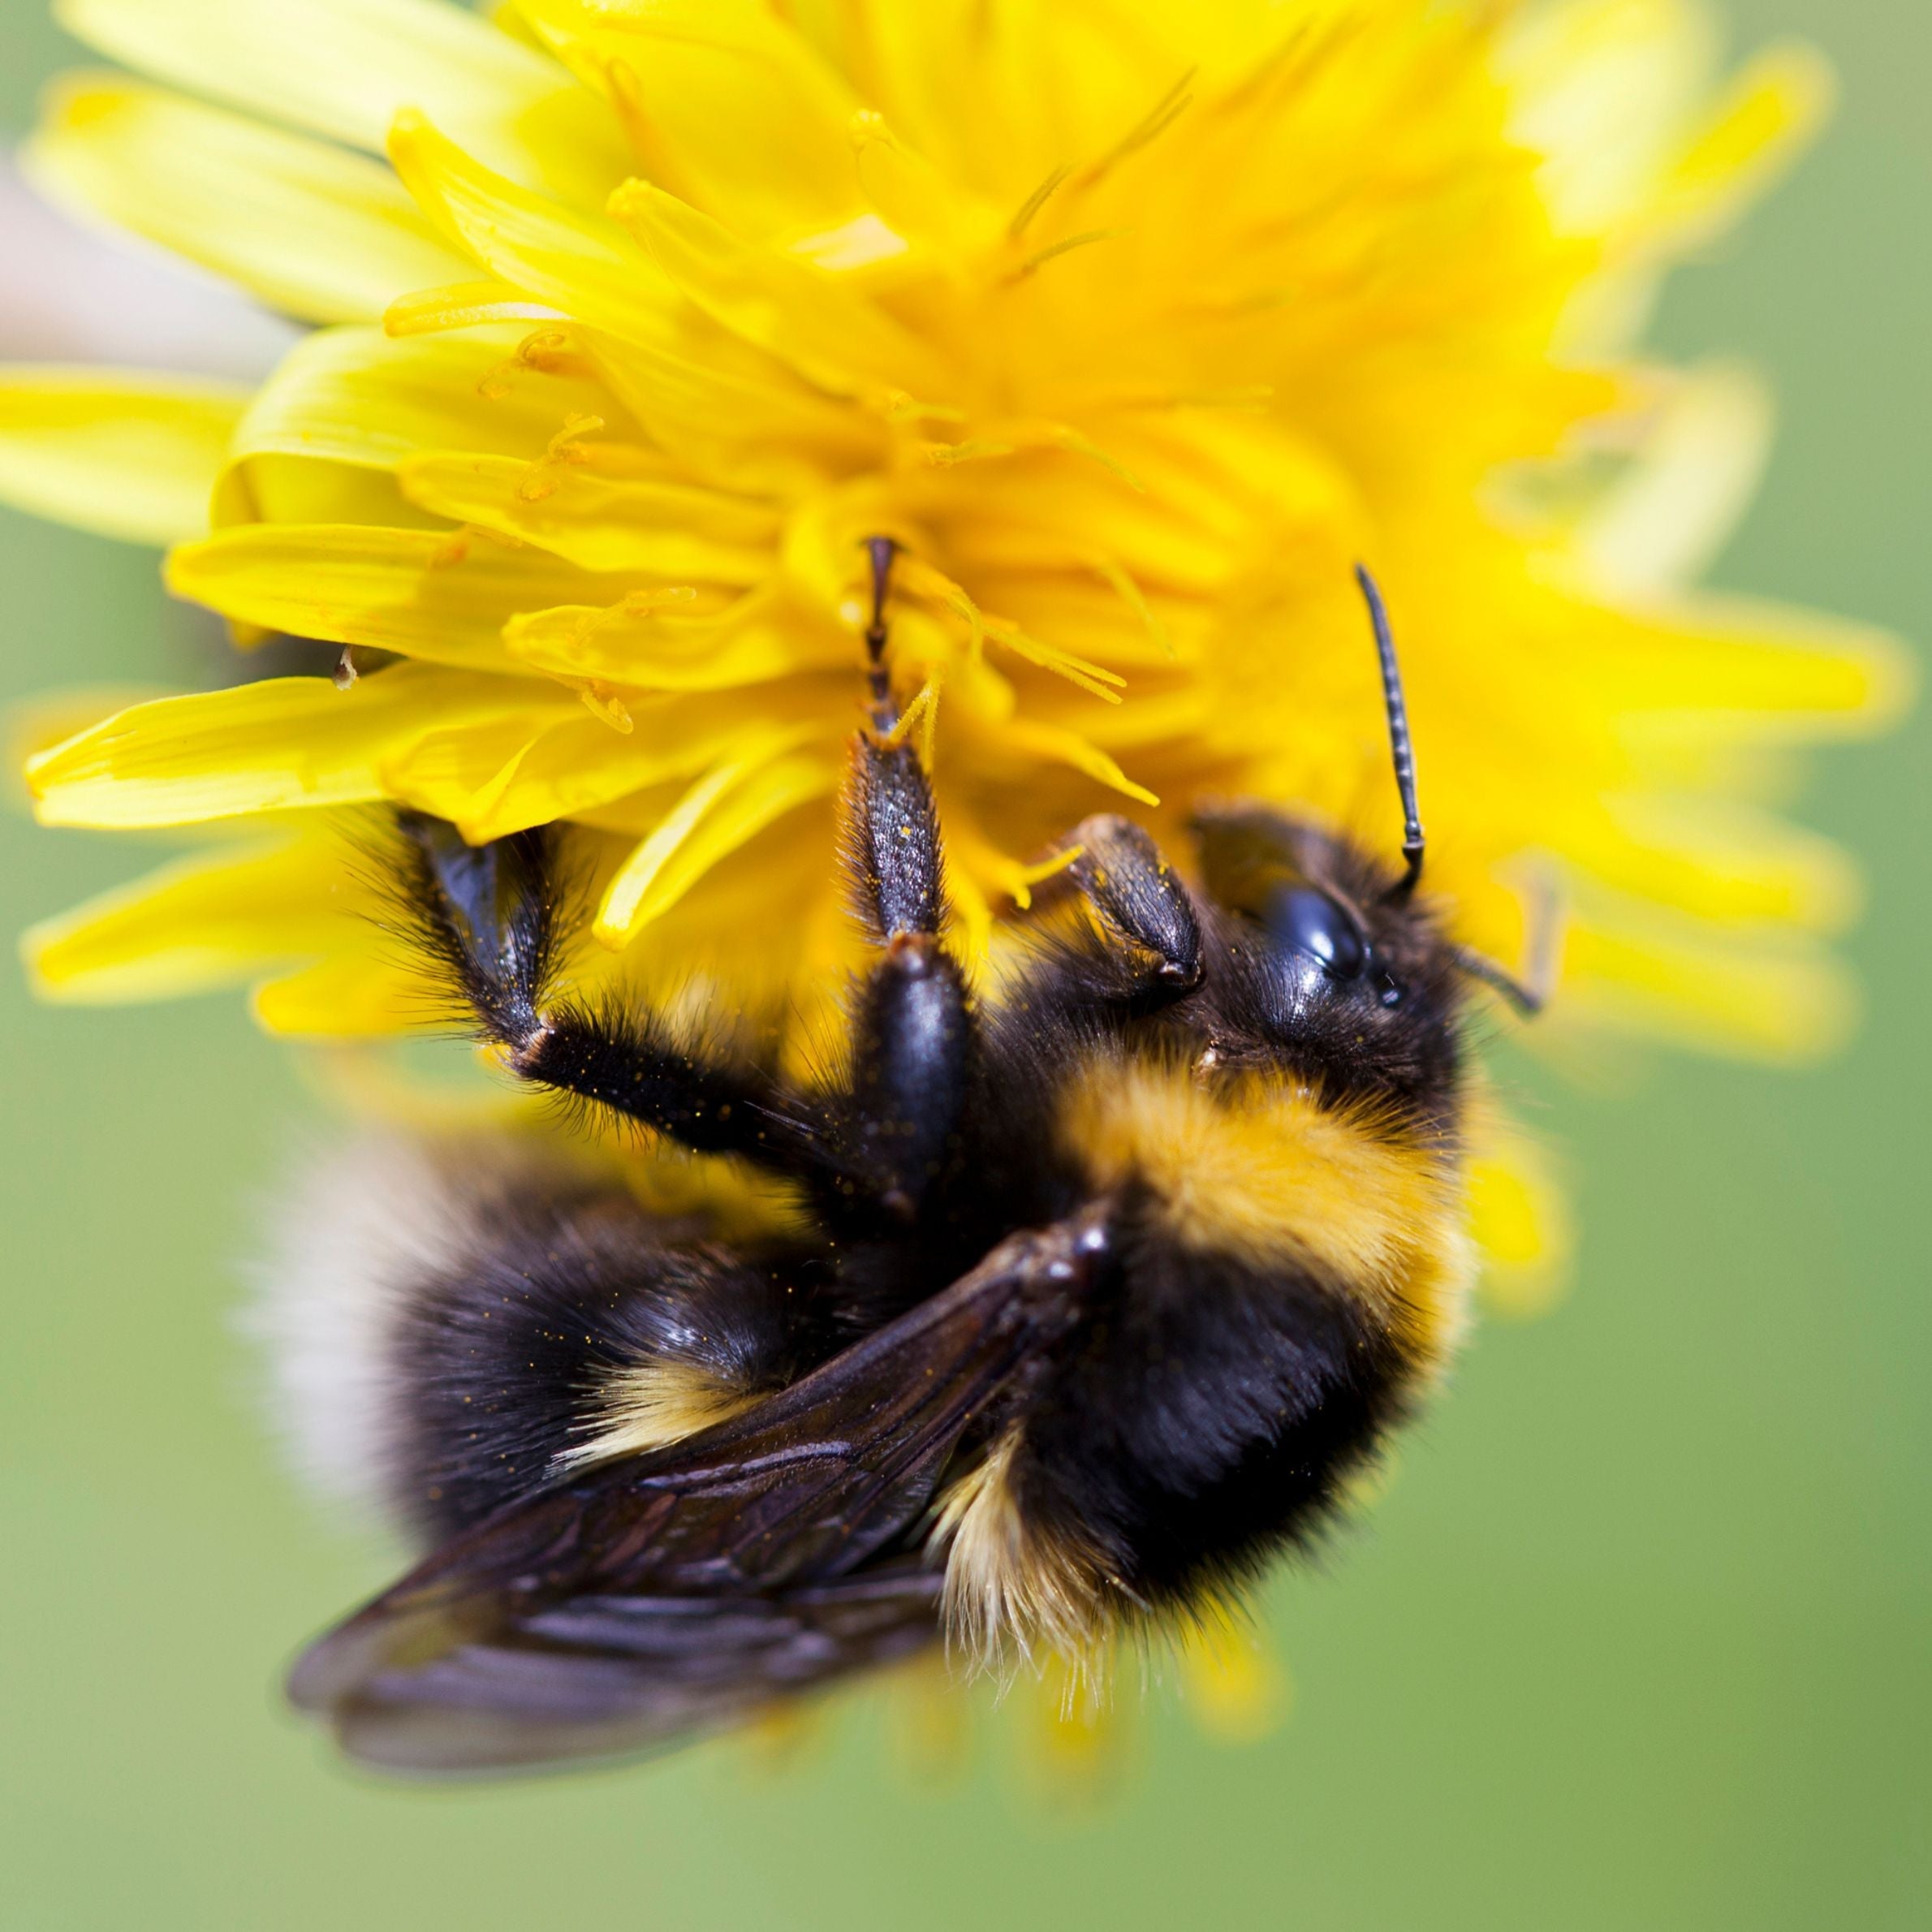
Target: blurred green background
x=1640 y=1638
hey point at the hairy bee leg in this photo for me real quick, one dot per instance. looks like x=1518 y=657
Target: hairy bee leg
x=1137 y=898
x=489 y=915
x=911 y=1051
x=912 y=1040
x=892 y=849
x=912 y=1029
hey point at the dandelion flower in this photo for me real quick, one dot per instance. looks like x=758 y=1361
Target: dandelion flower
x=1136 y=325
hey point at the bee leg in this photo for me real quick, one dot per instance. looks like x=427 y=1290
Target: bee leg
x=1144 y=912
x=488 y=916
x=913 y=1031
x=911 y=1050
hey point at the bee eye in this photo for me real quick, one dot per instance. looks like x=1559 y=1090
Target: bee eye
x=1307 y=920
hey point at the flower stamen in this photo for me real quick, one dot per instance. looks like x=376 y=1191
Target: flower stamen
x=1163 y=114
x=566 y=447
x=1023 y=215
x=1040 y=257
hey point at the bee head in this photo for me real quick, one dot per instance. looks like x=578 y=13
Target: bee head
x=1295 y=950
x=1321 y=962
x=1321 y=959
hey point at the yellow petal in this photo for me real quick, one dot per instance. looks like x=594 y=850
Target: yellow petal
x=976 y=869
x=1099 y=613
x=1664 y=520
x=1061 y=746
x=1206 y=481
x=583 y=264
x=798 y=313
x=920 y=63
x=353 y=395
x=324 y=234
x=1722 y=861
x=1767 y=115
x=1602 y=89
x=464 y=305
x=1235 y=1687
x=1614 y=94
x=1076 y=1732
x=360 y=995
x=754 y=123
x=436 y=595
x=729 y=806
x=1520 y=1220
x=912 y=197
x=928 y=1721
x=214 y=920
x=1748 y=667
x=133 y=456
x=866 y=242
x=735 y=418
x=37 y=724
x=282 y=744
x=603 y=509
x=344 y=68
x=921 y=580
x=346 y=401
x=649 y=646
x=501 y=770
x=1771 y=996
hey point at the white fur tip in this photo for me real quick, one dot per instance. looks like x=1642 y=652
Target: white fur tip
x=359 y=1226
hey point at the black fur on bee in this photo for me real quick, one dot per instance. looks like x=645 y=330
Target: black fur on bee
x=1102 y=1287
x=568 y=1286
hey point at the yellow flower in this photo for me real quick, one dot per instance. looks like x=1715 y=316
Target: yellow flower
x=1136 y=322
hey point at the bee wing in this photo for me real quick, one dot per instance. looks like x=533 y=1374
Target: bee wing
x=659 y=1594
x=609 y=1675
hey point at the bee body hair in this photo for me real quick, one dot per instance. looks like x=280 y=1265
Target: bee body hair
x=1290 y=1274
x=452 y=1324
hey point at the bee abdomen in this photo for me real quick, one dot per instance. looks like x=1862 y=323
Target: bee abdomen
x=449 y=1333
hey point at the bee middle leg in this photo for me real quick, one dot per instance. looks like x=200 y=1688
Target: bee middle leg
x=490 y=915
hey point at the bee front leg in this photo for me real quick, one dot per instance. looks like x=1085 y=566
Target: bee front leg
x=1150 y=938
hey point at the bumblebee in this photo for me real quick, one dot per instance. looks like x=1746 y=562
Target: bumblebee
x=1105 y=1286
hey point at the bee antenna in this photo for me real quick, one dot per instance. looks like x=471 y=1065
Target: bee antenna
x=1403 y=752
x=881 y=550
x=1530 y=994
